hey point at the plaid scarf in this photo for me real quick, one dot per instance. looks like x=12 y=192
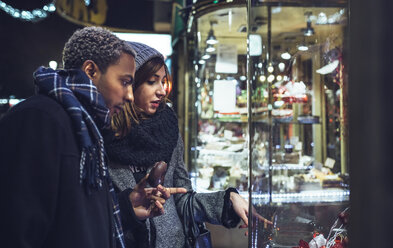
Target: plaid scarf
x=89 y=114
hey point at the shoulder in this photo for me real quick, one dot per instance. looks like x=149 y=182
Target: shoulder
x=39 y=120
x=38 y=107
x=40 y=103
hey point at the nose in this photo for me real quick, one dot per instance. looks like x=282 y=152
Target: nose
x=161 y=91
x=129 y=93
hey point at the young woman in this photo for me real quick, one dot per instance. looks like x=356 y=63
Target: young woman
x=147 y=132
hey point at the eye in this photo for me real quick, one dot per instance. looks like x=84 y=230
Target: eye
x=126 y=83
x=151 y=82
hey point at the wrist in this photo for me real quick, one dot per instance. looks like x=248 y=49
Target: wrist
x=232 y=196
x=135 y=211
x=229 y=217
x=127 y=210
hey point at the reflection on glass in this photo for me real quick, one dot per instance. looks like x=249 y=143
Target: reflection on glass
x=300 y=166
x=267 y=108
x=221 y=156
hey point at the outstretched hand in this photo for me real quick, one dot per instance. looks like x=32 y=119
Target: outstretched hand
x=149 y=202
x=240 y=205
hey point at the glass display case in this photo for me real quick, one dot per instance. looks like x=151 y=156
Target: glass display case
x=219 y=152
x=267 y=114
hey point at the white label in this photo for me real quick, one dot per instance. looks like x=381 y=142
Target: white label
x=299 y=146
x=228 y=134
x=330 y=163
x=255 y=45
x=224 y=96
x=294 y=140
x=226 y=59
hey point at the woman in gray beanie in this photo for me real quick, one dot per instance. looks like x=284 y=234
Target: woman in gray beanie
x=147 y=132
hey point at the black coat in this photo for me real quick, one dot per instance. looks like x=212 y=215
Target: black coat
x=43 y=203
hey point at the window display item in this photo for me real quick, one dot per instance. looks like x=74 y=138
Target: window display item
x=265 y=124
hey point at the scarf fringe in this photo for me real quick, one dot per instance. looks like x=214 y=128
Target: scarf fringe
x=90 y=169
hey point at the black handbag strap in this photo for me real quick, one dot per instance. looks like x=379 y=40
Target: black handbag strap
x=197 y=235
x=191 y=227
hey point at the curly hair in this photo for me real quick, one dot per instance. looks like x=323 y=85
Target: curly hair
x=97 y=44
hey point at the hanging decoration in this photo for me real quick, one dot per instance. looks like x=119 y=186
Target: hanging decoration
x=34 y=15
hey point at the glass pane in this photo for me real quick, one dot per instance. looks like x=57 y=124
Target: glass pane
x=298 y=88
x=219 y=155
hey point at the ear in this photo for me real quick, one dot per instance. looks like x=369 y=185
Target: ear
x=91 y=69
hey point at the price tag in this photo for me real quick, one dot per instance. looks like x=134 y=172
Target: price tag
x=228 y=134
x=294 y=140
x=299 y=146
x=224 y=96
x=330 y=163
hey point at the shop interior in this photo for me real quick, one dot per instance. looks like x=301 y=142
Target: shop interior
x=268 y=115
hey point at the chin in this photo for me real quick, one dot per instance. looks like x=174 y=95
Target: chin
x=152 y=112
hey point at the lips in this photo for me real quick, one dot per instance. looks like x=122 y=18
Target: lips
x=155 y=104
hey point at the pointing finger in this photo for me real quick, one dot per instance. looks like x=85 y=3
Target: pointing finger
x=177 y=190
x=244 y=217
x=260 y=218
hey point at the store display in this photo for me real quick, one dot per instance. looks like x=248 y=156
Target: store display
x=222 y=156
x=337 y=237
x=308 y=119
x=269 y=125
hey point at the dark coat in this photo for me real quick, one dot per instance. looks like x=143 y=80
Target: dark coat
x=43 y=203
x=167 y=230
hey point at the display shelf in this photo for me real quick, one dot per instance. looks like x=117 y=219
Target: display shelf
x=218 y=152
x=286 y=167
x=288 y=120
x=310 y=197
x=242 y=118
x=307 y=197
x=232 y=118
x=256 y=119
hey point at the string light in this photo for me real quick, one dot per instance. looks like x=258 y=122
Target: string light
x=26 y=15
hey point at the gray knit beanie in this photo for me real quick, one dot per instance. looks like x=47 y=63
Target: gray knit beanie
x=144 y=53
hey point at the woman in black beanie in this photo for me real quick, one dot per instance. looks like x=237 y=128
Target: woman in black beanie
x=147 y=132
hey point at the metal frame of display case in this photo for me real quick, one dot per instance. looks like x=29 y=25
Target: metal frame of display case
x=271 y=121
x=277 y=202
x=192 y=40
x=270 y=198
